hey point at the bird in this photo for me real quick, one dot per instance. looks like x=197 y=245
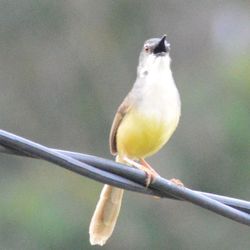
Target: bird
x=143 y=123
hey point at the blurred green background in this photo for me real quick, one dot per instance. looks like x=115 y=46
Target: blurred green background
x=65 y=66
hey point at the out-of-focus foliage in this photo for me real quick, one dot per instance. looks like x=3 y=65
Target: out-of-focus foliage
x=64 y=68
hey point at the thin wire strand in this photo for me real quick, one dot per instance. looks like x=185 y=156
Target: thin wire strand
x=119 y=175
x=119 y=169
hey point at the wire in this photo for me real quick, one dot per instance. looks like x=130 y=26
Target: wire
x=130 y=173
x=129 y=178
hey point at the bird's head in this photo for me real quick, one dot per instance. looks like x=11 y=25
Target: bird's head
x=155 y=53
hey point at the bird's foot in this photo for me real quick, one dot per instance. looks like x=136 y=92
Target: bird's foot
x=143 y=165
x=151 y=173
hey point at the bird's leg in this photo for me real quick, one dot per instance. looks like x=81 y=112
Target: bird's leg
x=150 y=172
x=131 y=162
x=153 y=174
x=147 y=166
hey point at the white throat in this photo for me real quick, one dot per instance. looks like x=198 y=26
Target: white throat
x=154 y=91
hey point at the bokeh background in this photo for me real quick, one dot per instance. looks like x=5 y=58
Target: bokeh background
x=65 y=66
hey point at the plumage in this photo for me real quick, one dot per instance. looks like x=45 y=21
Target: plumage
x=143 y=123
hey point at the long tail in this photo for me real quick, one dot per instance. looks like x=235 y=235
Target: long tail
x=105 y=216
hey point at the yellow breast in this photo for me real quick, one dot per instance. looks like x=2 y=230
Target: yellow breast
x=140 y=134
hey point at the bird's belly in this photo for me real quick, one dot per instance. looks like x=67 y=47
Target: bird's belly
x=141 y=135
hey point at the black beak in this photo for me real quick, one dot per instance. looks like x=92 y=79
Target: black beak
x=162 y=46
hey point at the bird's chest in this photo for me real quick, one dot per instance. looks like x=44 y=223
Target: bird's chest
x=149 y=125
x=160 y=103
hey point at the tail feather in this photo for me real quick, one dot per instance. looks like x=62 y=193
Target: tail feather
x=105 y=216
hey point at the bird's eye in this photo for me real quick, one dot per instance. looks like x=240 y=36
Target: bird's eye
x=146 y=48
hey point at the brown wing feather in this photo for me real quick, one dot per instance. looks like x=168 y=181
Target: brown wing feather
x=121 y=112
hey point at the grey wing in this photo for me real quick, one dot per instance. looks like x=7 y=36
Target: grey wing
x=120 y=114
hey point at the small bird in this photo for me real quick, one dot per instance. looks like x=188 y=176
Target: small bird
x=143 y=123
